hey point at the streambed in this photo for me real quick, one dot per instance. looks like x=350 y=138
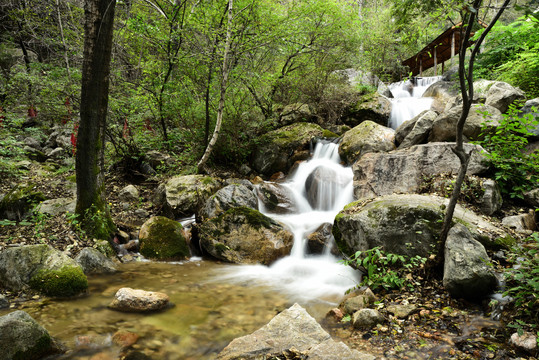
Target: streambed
x=207 y=314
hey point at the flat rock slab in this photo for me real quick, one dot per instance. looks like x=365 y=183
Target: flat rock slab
x=136 y=300
x=292 y=331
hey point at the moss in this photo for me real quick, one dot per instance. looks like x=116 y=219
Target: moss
x=253 y=217
x=207 y=180
x=42 y=346
x=20 y=200
x=329 y=134
x=67 y=281
x=165 y=241
x=104 y=247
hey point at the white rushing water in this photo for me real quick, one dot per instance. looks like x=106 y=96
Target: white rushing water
x=308 y=277
x=407 y=99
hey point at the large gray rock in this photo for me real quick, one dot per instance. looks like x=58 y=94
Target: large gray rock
x=492 y=200
x=245 y=236
x=184 y=195
x=276 y=198
x=443 y=127
x=500 y=95
x=163 y=239
x=403 y=224
x=292 y=331
x=466 y=270
x=293 y=113
x=368 y=107
x=419 y=129
x=365 y=138
x=228 y=197
x=442 y=92
x=21 y=337
x=56 y=207
x=532 y=197
x=522 y=222
x=279 y=148
x=42 y=268
x=532 y=107
x=403 y=171
x=129 y=194
x=366 y=318
x=136 y=300
x=94 y=262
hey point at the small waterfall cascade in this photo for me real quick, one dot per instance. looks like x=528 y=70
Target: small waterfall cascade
x=320 y=188
x=407 y=99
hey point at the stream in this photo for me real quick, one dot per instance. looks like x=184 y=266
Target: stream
x=213 y=302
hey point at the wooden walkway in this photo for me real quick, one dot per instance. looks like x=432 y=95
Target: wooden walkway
x=443 y=48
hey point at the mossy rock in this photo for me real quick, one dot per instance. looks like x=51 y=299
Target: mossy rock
x=277 y=148
x=365 y=138
x=22 y=338
x=19 y=201
x=245 y=236
x=42 y=268
x=163 y=239
x=403 y=224
x=65 y=282
x=105 y=248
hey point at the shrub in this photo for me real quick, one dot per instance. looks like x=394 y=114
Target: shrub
x=385 y=270
x=523 y=282
x=515 y=170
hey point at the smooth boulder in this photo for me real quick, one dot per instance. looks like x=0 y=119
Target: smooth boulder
x=184 y=195
x=230 y=196
x=279 y=149
x=292 y=331
x=466 y=270
x=21 y=337
x=365 y=138
x=501 y=95
x=403 y=224
x=403 y=171
x=94 y=262
x=163 y=239
x=136 y=300
x=442 y=93
x=416 y=131
x=276 y=198
x=245 y=236
x=42 y=268
x=443 y=127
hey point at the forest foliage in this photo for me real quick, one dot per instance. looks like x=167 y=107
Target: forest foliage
x=167 y=64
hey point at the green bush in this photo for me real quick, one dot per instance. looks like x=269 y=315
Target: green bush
x=385 y=270
x=515 y=170
x=512 y=55
x=523 y=282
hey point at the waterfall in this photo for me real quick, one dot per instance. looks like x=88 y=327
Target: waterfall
x=320 y=188
x=407 y=99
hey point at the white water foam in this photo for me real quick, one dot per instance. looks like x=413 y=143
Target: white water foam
x=408 y=101
x=308 y=277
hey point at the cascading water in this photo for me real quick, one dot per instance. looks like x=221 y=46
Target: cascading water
x=320 y=188
x=407 y=99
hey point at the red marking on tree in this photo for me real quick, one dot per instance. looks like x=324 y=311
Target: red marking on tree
x=74 y=138
x=126 y=132
x=32 y=112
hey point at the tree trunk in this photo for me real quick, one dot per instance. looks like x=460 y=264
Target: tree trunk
x=224 y=81
x=98 y=29
x=466 y=87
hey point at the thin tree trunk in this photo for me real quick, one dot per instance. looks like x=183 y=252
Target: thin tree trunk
x=98 y=31
x=224 y=81
x=66 y=57
x=467 y=90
